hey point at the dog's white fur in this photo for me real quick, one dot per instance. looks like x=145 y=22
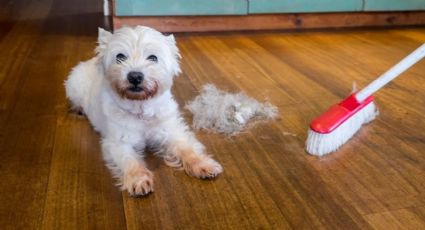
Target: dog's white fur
x=129 y=121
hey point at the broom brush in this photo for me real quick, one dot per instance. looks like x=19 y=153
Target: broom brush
x=339 y=123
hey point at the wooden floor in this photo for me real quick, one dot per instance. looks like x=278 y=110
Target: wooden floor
x=52 y=175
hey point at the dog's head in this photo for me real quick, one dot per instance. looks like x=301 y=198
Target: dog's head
x=139 y=62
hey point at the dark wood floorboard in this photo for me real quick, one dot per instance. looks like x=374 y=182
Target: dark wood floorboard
x=53 y=176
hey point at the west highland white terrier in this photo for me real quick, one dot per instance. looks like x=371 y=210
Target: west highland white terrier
x=125 y=91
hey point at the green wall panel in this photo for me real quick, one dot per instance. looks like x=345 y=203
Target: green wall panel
x=390 y=5
x=180 y=7
x=304 y=6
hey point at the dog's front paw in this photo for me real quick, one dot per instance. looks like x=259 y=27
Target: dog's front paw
x=203 y=167
x=138 y=182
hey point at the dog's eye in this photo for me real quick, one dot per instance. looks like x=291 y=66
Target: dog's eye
x=152 y=58
x=121 y=57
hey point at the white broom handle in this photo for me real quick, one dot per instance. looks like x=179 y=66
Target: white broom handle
x=394 y=72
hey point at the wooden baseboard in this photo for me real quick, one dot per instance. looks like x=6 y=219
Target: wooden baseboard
x=273 y=21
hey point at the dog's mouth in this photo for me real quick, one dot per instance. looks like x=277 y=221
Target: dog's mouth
x=135 y=89
x=137 y=92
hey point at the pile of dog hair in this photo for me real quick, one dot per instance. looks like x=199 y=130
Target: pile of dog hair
x=227 y=113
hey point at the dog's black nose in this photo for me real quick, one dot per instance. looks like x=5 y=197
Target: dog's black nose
x=135 y=78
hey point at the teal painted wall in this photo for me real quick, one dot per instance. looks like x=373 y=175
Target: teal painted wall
x=396 y=5
x=304 y=6
x=242 y=7
x=180 y=7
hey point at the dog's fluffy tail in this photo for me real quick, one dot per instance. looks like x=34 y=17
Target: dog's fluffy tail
x=79 y=82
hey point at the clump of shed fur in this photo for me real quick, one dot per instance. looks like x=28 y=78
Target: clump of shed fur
x=227 y=113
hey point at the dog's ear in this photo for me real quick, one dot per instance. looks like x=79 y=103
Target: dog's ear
x=103 y=36
x=171 y=41
x=102 y=40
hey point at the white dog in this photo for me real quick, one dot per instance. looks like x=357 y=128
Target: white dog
x=125 y=91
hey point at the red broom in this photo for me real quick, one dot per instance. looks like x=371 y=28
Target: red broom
x=339 y=123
